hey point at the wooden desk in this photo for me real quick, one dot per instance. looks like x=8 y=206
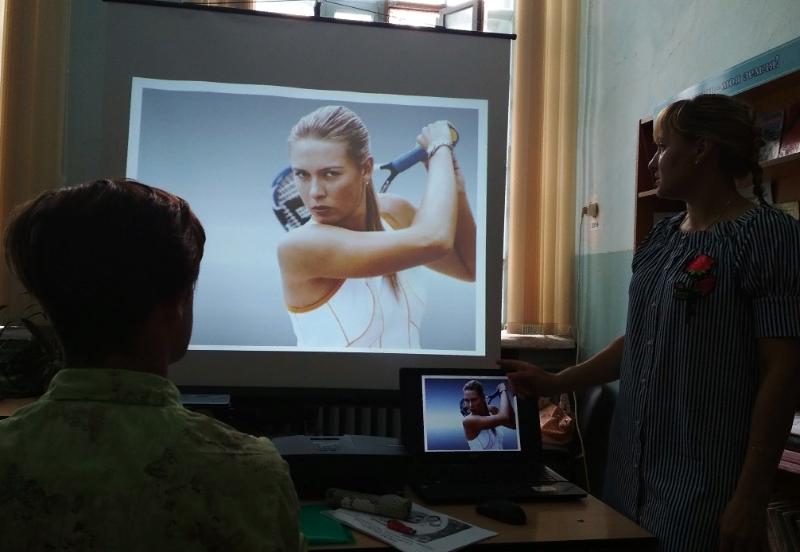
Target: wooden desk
x=9 y=406
x=583 y=525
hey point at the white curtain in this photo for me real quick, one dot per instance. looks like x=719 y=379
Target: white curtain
x=33 y=58
x=539 y=294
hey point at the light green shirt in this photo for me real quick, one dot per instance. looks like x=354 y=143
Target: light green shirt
x=110 y=460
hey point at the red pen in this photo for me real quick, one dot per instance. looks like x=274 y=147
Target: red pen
x=400 y=527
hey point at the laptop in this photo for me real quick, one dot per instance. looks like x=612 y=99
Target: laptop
x=469 y=439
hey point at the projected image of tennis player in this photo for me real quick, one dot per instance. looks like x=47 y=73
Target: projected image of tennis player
x=483 y=423
x=344 y=271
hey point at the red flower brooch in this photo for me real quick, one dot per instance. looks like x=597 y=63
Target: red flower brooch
x=700 y=282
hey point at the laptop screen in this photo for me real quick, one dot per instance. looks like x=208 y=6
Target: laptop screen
x=453 y=415
x=461 y=423
x=469 y=413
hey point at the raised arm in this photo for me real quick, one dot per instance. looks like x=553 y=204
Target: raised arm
x=528 y=380
x=326 y=251
x=460 y=261
x=506 y=407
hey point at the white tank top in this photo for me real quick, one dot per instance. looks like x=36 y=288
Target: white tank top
x=487 y=439
x=362 y=313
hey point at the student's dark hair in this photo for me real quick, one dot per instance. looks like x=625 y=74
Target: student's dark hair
x=726 y=121
x=100 y=256
x=474 y=385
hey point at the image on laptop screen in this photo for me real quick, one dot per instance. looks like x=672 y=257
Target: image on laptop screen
x=469 y=413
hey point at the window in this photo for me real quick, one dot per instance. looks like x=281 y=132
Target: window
x=342 y=14
x=463 y=17
x=498 y=16
x=415 y=17
x=476 y=15
x=354 y=10
x=287 y=7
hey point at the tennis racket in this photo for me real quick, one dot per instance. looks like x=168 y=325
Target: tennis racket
x=408 y=160
x=290 y=210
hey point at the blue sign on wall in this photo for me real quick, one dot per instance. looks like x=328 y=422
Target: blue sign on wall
x=770 y=65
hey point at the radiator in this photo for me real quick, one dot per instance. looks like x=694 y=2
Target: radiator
x=354 y=420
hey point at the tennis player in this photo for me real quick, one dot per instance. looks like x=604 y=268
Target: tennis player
x=342 y=271
x=483 y=424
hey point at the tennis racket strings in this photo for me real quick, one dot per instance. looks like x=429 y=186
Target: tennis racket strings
x=289 y=209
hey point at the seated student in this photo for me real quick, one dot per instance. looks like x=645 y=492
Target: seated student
x=107 y=458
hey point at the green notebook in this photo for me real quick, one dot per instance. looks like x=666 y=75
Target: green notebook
x=321 y=529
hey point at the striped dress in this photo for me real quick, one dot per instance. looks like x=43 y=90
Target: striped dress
x=698 y=302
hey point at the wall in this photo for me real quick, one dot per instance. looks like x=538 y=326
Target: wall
x=634 y=54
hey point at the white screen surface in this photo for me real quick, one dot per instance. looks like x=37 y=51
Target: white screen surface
x=220 y=146
x=242 y=337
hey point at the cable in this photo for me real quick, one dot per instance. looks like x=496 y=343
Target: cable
x=587 y=24
x=583 y=457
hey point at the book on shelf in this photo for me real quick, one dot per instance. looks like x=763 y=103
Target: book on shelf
x=790 y=520
x=792 y=455
x=745 y=189
x=771 y=124
x=790 y=135
x=658 y=216
x=790 y=461
x=791 y=208
x=783 y=529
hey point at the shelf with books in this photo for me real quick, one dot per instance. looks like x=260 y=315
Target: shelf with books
x=783 y=160
x=783 y=511
x=650 y=209
x=783 y=525
x=646 y=150
x=790 y=461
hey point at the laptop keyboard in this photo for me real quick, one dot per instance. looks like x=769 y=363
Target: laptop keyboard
x=460 y=473
x=464 y=482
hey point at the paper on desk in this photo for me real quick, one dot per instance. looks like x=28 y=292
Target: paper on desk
x=435 y=532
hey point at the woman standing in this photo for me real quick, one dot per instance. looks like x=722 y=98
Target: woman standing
x=709 y=366
x=342 y=271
